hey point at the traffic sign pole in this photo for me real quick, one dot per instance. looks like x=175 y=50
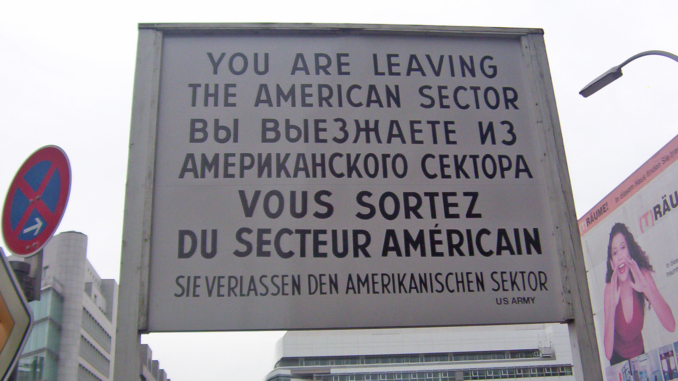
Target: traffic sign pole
x=33 y=208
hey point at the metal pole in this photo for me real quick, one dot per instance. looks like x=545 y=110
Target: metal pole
x=585 y=354
x=134 y=267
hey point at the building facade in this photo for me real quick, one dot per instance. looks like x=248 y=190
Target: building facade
x=73 y=335
x=150 y=369
x=426 y=354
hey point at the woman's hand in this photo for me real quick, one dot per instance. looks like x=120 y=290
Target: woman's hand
x=612 y=293
x=644 y=283
x=642 y=280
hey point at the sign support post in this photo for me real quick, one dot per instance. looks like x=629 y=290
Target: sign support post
x=33 y=208
x=582 y=331
x=134 y=268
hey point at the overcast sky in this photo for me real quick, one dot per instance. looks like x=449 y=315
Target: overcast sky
x=66 y=75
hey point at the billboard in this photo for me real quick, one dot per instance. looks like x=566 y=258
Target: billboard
x=315 y=177
x=629 y=242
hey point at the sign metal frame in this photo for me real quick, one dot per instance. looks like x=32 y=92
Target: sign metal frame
x=135 y=266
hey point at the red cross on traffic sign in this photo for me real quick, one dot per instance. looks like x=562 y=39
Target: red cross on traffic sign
x=36 y=201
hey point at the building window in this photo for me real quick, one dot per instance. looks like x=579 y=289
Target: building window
x=85 y=375
x=92 y=355
x=98 y=333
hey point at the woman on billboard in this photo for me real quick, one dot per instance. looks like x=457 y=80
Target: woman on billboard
x=629 y=285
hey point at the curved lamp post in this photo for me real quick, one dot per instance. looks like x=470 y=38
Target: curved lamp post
x=614 y=73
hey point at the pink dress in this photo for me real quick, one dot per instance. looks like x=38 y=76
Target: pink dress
x=628 y=340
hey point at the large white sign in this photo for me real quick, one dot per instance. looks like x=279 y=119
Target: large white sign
x=350 y=180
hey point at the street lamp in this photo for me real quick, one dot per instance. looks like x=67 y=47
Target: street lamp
x=615 y=72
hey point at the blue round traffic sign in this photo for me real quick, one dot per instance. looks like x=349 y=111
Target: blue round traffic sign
x=36 y=201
